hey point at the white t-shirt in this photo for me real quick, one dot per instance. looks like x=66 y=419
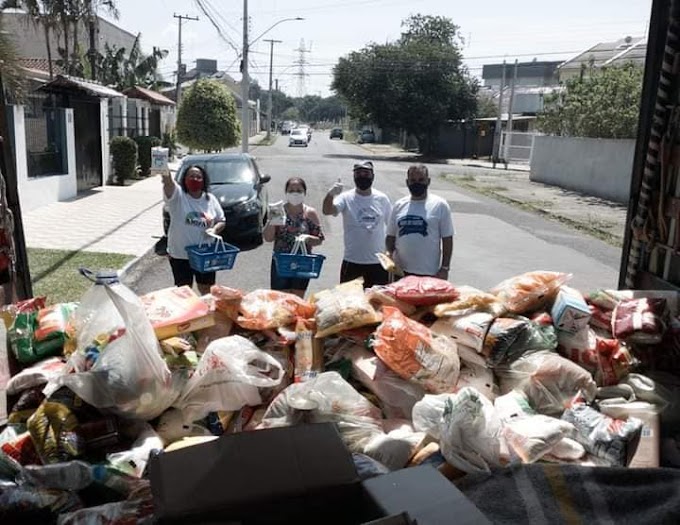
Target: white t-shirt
x=419 y=227
x=364 y=218
x=189 y=218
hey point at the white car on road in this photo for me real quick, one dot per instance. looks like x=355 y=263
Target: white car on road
x=298 y=137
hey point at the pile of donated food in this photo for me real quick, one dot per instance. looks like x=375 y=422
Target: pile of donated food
x=416 y=372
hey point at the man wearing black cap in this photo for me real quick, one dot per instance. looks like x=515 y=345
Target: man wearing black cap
x=365 y=212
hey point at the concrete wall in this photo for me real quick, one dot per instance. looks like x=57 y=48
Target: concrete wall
x=35 y=192
x=105 y=137
x=598 y=167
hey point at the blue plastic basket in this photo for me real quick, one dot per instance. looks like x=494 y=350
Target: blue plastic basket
x=298 y=266
x=212 y=257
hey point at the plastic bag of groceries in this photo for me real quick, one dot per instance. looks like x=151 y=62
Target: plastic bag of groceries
x=117 y=365
x=415 y=353
x=466 y=425
x=270 y=309
x=344 y=307
x=327 y=398
x=528 y=292
x=227 y=378
x=548 y=380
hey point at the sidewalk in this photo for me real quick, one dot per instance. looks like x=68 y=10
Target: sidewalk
x=111 y=219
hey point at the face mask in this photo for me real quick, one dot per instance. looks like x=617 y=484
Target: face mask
x=295 y=199
x=194 y=185
x=417 y=189
x=363 y=183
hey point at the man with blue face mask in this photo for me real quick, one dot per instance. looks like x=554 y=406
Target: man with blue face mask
x=365 y=212
x=420 y=231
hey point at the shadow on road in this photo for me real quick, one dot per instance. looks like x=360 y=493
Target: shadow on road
x=405 y=157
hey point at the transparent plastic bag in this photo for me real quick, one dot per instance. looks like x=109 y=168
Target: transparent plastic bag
x=548 y=380
x=227 y=378
x=510 y=338
x=327 y=398
x=117 y=365
x=270 y=309
x=344 y=307
x=529 y=291
x=423 y=291
x=416 y=354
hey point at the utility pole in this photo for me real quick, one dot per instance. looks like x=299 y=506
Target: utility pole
x=245 y=84
x=178 y=88
x=499 y=121
x=277 y=84
x=20 y=276
x=506 y=153
x=271 y=75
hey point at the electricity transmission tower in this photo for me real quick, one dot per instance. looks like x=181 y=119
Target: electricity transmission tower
x=301 y=63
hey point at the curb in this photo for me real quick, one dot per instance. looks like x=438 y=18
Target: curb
x=125 y=270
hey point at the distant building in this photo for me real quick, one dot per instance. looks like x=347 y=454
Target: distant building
x=534 y=74
x=29 y=38
x=605 y=54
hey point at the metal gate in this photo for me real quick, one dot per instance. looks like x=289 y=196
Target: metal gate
x=155 y=123
x=517 y=147
x=86 y=116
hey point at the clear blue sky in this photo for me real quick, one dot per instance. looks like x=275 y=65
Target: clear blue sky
x=494 y=30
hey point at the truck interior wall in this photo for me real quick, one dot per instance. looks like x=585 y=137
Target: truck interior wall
x=658 y=28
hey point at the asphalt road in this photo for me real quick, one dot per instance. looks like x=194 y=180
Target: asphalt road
x=493 y=240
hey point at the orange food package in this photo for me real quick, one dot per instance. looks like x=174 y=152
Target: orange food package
x=176 y=310
x=529 y=291
x=227 y=300
x=270 y=309
x=412 y=351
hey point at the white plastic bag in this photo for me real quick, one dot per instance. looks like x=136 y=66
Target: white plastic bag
x=133 y=462
x=466 y=425
x=327 y=398
x=228 y=377
x=117 y=365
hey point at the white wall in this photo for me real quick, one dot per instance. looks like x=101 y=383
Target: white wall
x=40 y=191
x=598 y=167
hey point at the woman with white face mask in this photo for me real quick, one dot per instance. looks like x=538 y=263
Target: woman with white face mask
x=300 y=220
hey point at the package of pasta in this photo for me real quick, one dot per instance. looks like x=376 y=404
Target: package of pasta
x=415 y=353
x=271 y=309
x=344 y=307
x=530 y=291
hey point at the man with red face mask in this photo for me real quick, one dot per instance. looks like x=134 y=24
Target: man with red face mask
x=194 y=212
x=365 y=212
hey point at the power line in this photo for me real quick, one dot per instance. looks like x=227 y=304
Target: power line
x=301 y=63
x=204 y=8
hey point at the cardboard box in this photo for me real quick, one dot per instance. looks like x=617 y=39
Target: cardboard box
x=301 y=475
x=570 y=312
x=173 y=311
x=427 y=496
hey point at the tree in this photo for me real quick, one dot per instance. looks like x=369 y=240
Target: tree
x=416 y=83
x=605 y=104
x=122 y=70
x=207 y=118
x=91 y=10
x=9 y=67
x=486 y=107
x=292 y=113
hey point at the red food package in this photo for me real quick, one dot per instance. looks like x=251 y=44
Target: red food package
x=542 y=318
x=640 y=320
x=22 y=450
x=600 y=318
x=415 y=353
x=423 y=291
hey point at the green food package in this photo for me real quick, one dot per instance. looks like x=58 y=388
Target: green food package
x=21 y=337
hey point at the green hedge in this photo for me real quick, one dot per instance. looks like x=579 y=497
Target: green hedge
x=144 y=145
x=170 y=142
x=124 y=154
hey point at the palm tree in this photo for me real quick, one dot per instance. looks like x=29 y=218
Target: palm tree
x=91 y=8
x=9 y=66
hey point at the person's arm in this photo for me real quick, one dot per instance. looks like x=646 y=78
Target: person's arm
x=447 y=251
x=390 y=245
x=330 y=207
x=169 y=186
x=219 y=227
x=315 y=236
x=269 y=232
